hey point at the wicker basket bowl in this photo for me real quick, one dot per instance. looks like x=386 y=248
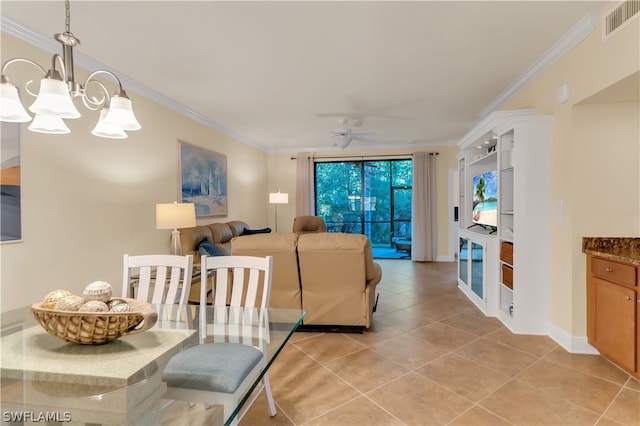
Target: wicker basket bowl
x=95 y=328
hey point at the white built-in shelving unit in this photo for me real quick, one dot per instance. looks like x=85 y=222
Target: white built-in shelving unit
x=511 y=260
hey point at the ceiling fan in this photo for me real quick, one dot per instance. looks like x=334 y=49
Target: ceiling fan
x=343 y=135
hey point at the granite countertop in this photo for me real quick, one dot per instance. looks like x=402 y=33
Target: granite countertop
x=626 y=250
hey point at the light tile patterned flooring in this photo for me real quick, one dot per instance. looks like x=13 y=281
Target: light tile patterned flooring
x=431 y=358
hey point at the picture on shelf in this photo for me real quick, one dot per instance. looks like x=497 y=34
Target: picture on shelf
x=485 y=199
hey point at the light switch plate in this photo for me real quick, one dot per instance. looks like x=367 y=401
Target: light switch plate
x=563 y=93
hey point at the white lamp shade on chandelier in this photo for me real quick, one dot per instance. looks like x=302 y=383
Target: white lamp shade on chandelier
x=11 y=109
x=49 y=124
x=54 y=100
x=104 y=130
x=120 y=114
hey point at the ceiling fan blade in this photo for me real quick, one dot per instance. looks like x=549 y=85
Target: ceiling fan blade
x=350 y=115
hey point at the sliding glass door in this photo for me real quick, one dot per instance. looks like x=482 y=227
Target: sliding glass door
x=366 y=197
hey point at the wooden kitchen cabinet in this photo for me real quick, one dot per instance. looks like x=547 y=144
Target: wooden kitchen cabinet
x=612 y=311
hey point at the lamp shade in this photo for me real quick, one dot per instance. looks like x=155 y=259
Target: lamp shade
x=175 y=215
x=48 y=124
x=54 y=100
x=278 y=198
x=121 y=115
x=11 y=109
x=104 y=130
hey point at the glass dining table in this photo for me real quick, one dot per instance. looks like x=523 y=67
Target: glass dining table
x=45 y=380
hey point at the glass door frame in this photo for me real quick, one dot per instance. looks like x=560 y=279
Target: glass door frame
x=367 y=204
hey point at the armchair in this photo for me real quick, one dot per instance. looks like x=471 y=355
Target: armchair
x=309 y=224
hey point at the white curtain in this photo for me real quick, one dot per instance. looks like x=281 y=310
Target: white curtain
x=423 y=215
x=305 y=205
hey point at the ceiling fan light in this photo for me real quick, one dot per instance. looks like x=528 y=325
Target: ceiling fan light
x=120 y=114
x=342 y=141
x=49 y=125
x=104 y=130
x=54 y=100
x=11 y=109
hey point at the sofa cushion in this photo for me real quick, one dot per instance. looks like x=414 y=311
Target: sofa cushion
x=257 y=231
x=285 y=288
x=207 y=248
x=221 y=234
x=190 y=239
x=237 y=227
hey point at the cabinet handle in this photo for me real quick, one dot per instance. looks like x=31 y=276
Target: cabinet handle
x=627 y=298
x=608 y=269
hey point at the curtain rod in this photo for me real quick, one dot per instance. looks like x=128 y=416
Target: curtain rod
x=363 y=157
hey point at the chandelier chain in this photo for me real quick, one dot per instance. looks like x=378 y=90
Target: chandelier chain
x=67 y=20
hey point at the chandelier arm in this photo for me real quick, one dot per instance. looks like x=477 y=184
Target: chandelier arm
x=109 y=73
x=95 y=104
x=14 y=60
x=60 y=61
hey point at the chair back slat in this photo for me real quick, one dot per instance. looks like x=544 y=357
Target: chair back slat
x=221 y=287
x=160 y=285
x=173 y=292
x=237 y=290
x=160 y=278
x=237 y=281
x=144 y=283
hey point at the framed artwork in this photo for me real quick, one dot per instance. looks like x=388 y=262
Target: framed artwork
x=202 y=179
x=10 y=206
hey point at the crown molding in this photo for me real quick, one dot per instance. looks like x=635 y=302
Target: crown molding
x=491 y=123
x=81 y=60
x=575 y=35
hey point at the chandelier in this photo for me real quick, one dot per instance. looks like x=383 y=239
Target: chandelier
x=54 y=101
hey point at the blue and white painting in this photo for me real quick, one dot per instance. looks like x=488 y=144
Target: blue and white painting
x=10 y=207
x=203 y=180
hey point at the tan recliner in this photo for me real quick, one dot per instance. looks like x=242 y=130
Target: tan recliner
x=285 y=290
x=338 y=278
x=309 y=224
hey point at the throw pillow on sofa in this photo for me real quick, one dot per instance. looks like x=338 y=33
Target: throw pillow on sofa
x=207 y=248
x=256 y=231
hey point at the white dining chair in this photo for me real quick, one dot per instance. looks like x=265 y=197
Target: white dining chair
x=233 y=337
x=161 y=278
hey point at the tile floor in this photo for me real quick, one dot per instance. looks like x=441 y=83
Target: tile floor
x=431 y=358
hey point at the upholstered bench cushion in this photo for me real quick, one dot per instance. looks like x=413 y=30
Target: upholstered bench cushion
x=216 y=367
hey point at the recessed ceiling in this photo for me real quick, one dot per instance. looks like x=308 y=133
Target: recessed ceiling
x=279 y=75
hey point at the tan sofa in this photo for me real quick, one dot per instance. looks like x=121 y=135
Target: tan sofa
x=330 y=275
x=220 y=234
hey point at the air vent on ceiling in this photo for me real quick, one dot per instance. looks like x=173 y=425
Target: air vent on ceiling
x=621 y=14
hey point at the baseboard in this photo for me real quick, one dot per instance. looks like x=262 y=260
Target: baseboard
x=441 y=258
x=572 y=344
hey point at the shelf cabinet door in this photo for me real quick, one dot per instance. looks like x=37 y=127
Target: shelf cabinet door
x=477 y=269
x=463 y=261
x=614 y=322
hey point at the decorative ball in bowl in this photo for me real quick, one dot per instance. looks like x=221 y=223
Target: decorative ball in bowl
x=92 y=322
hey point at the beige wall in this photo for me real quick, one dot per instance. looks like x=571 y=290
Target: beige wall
x=595 y=157
x=86 y=201
x=282 y=173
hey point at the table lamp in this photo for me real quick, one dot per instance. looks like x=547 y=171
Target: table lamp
x=278 y=198
x=174 y=216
